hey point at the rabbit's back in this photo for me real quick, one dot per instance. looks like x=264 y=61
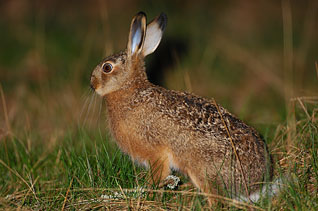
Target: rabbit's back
x=200 y=132
x=196 y=115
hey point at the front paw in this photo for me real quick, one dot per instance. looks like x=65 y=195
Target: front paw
x=170 y=182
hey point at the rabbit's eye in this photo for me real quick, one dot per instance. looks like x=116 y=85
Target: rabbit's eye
x=107 y=67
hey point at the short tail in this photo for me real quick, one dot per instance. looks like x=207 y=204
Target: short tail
x=268 y=191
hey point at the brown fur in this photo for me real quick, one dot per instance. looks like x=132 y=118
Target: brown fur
x=170 y=129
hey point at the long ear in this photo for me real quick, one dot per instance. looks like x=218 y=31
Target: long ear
x=137 y=34
x=154 y=33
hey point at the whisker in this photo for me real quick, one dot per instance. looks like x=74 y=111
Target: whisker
x=94 y=109
x=85 y=94
x=88 y=109
x=100 y=111
x=84 y=98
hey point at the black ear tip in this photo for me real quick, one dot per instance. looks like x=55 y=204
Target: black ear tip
x=141 y=14
x=162 y=20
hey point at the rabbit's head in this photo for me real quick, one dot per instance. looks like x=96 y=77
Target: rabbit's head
x=117 y=71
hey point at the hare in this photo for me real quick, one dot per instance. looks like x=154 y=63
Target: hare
x=165 y=129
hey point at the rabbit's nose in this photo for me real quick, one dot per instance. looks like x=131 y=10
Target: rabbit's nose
x=94 y=83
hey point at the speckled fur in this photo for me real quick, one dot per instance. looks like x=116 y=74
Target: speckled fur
x=179 y=130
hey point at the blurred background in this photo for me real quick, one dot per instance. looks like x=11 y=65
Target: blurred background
x=251 y=56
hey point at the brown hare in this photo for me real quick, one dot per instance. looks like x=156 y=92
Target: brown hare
x=165 y=129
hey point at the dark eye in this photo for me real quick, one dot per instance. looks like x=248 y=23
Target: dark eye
x=107 y=67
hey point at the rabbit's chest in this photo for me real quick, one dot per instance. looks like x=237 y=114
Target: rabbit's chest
x=133 y=130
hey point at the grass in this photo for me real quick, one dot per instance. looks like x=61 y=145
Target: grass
x=55 y=153
x=298 y=160
x=83 y=167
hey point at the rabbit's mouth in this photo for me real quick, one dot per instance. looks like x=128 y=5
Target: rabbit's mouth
x=97 y=90
x=92 y=87
x=97 y=87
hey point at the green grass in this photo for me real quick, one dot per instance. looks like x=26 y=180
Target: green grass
x=84 y=165
x=77 y=171
x=300 y=163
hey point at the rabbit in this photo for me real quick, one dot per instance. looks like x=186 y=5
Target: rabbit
x=172 y=130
